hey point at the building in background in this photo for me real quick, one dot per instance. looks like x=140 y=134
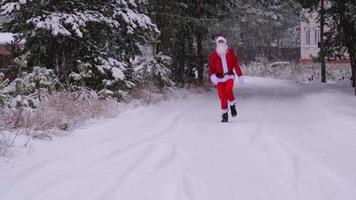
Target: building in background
x=310 y=38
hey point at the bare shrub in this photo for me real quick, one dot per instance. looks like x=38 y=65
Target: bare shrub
x=66 y=110
x=6 y=142
x=60 y=112
x=149 y=96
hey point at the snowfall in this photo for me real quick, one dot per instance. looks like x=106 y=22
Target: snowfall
x=290 y=141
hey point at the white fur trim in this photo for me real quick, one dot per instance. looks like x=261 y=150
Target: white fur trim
x=220 y=38
x=224 y=111
x=231 y=103
x=214 y=79
x=224 y=62
x=225 y=78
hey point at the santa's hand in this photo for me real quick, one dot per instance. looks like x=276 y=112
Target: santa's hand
x=241 y=80
x=214 y=79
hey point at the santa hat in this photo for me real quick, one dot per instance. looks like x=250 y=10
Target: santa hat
x=220 y=39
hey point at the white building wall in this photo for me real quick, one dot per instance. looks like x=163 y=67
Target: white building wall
x=310 y=36
x=309 y=44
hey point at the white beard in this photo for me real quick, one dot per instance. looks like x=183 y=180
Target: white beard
x=221 y=49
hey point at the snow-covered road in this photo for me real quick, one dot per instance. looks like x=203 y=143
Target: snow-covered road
x=290 y=141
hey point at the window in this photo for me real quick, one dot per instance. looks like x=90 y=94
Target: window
x=307 y=37
x=316 y=36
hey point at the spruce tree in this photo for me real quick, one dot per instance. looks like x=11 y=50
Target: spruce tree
x=62 y=35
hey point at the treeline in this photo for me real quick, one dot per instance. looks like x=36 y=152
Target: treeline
x=115 y=46
x=75 y=45
x=188 y=29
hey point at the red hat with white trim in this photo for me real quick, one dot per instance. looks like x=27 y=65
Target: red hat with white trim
x=220 y=39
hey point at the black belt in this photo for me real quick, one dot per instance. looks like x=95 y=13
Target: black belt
x=222 y=75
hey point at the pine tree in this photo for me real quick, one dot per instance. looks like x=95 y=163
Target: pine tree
x=62 y=35
x=268 y=23
x=3 y=96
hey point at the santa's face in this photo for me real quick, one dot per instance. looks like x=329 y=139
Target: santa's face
x=221 y=48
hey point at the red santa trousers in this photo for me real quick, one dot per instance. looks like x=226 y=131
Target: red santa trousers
x=226 y=94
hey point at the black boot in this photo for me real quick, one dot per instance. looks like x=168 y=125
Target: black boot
x=225 y=118
x=233 y=110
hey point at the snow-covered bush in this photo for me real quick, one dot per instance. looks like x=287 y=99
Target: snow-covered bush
x=153 y=71
x=298 y=72
x=102 y=87
x=29 y=89
x=3 y=83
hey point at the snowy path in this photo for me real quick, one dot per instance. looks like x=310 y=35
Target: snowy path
x=290 y=142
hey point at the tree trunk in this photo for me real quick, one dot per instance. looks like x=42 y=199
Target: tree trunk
x=190 y=59
x=181 y=56
x=199 y=36
x=322 y=50
x=200 y=58
x=353 y=68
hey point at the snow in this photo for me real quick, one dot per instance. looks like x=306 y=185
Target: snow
x=116 y=67
x=57 y=22
x=134 y=20
x=13 y=6
x=290 y=141
x=6 y=38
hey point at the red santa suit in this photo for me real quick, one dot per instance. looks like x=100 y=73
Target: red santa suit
x=222 y=71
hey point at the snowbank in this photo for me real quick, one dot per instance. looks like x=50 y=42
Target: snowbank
x=298 y=72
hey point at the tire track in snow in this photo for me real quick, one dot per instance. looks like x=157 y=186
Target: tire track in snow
x=177 y=120
x=77 y=151
x=85 y=169
x=197 y=157
x=190 y=188
x=298 y=166
x=147 y=140
x=143 y=167
x=322 y=170
x=47 y=164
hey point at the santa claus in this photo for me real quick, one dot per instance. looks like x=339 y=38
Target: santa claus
x=223 y=67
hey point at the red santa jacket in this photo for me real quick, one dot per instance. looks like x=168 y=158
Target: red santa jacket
x=216 y=67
